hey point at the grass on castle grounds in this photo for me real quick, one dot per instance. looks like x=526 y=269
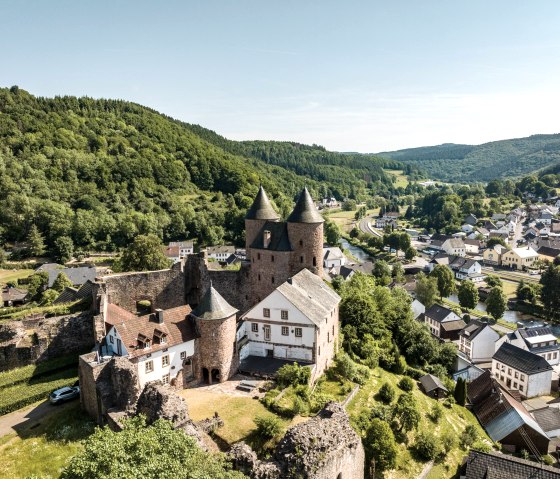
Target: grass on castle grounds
x=43 y=449
x=453 y=421
x=14 y=274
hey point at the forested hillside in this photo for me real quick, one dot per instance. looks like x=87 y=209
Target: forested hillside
x=498 y=159
x=99 y=172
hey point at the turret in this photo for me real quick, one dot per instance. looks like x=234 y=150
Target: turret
x=215 y=321
x=259 y=213
x=305 y=229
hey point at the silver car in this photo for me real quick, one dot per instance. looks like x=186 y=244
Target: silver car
x=64 y=394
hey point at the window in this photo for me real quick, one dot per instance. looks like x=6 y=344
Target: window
x=165 y=361
x=328 y=337
x=301 y=242
x=266 y=312
x=521 y=377
x=299 y=332
x=259 y=277
x=111 y=339
x=273 y=280
x=314 y=261
x=301 y=259
x=272 y=258
x=285 y=331
x=515 y=385
x=255 y=327
x=258 y=256
x=163 y=339
x=183 y=355
x=284 y=314
x=147 y=344
x=149 y=366
x=555 y=355
x=509 y=371
x=165 y=379
x=516 y=375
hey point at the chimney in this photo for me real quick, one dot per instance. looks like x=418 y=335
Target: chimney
x=159 y=316
x=266 y=239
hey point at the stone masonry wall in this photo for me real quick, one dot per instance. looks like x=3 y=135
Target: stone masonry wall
x=307 y=242
x=264 y=270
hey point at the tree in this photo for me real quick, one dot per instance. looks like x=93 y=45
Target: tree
x=496 y=303
x=37 y=283
x=426 y=289
x=144 y=254
x=494 y=241
x=398 y=272
x=293 y=375
x=382 y=271
x=332 y=233
x=62 y=281
x=426 y=446
x=3 y=257
x=527 y=292
x=445 y=280
x=468 y=436
x=63 y=249
x=493 y=281
x=380 y=444
x=387 y=393
x=48 y=297
x=410 y=253
x=158 y=451
x=550 y=292
x=268 y=426
x=406 y=412
x=460 y=393
x=468 y=295
x=36 y=241
x=349 y=205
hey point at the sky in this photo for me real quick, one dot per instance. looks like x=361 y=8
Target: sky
x=365 y=76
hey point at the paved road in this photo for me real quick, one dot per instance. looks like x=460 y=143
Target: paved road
x=365 y=226
x=28 y=417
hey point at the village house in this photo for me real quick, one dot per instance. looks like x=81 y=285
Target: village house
x=297 y=321
x=470 y=220
x=77 y=276
x=539 y=340
x=443 y=323
x=493 y=256
x=382 y=223
x=548 y=254
x=449 y=244
x=520 y=370
x=466 y=228
x=220 y=253
x=333 y=257
x=467 y=269
x=13 y=296
x=417 y=308
x=177 y=250
x=519 y=258
x=433 y=387
x=477 y=341
x=499 y=234
x=472 y=246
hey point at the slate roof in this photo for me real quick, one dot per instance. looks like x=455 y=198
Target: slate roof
x=310 y=295
x=455 y=325
x=261 y=209
x=333 y=253
x=177 y=325
x=220 y=249
x=429 y=383
x=438 y=313
x=213 y=306
x=69 y=295
x=548 y=418
x=494 y=465
x=279 y=239
x=521 y=360
x=305 y=210
x=77 y=276
x=473 y=329
x=547 y=251
x=13 y=294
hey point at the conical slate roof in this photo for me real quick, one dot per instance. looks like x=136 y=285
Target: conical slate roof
x=213 y=306
x=305 y=210
x=261 y=209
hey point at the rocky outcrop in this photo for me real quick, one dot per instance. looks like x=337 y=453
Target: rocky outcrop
x=159 y=402
x=245 y=460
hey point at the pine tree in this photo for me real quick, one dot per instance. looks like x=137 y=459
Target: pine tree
x=460 y=391
x=36 y=241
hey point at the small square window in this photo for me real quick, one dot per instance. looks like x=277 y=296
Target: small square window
x=165 y=361
x=266 y=312
x=284 y=314
x=183 y=355
x=298 y=332
x=254 y=327
x=111 y=339
x=165 y=379
x=149 y=366
x=285 y=331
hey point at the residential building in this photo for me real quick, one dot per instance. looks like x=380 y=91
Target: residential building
x=546 y=217
x=548 y=418
x=493 y=256
x=466 y=269
x=77 y=276
x=297 y=321
x=177 y=250
x=13 y=296
x=220 y=253
x=487 y=465
x=539 y=340
x=467 y=228
x=472 y=246
x=519 y=258
x=454 y=246
x=548 y=254
x=477 y=341
x=471 y=220
x=443 y=323
x=333 y=257
x=417 y=308
x=384 y=222
x=433 y=387
x=499 y=234
x=520 y=370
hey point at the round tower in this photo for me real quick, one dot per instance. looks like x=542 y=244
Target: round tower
x=215 y=321
x=305 y=230
x=259 y=213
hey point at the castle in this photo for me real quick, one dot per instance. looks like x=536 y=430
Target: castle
x=204 y=325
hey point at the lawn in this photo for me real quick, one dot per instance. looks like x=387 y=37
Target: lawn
x=453 y=421
x=237 y=413
x=14 y=274
x=345 y=219
x=510 y=288
x=402 y=179
x=43 y=449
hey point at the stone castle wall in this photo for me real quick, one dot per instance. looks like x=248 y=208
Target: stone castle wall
x=268 y=270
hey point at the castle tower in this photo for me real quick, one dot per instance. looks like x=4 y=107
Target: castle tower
x=259 y=213
x=215 y=321
x=305 y=230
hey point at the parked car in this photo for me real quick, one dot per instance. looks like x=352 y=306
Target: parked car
x=64 y=394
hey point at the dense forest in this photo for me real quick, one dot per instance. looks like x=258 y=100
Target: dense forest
x=99 y=172
x=498 y=159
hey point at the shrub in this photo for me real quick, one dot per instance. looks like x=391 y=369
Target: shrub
x=406 y=384
x=426 y=446
x=436 y=413
x=469 y=436
x=548 y=460
x=293 y=375
x=386 y=393
x=448 y=442
x=268 y=426
x=414 y=373
x=482 y=446
x=381 y=445
x=449 y=402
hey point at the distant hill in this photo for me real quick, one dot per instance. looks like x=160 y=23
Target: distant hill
x=469 y=163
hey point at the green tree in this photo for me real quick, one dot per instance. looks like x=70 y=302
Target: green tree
x=36 y=241
x=332 y=233
x=268 y=426
x=496 y=303
x=380 y=445
x=386 y=393
x=468 y=295
x=158 y=451
x=293 y=375
x=527 y=292
x=349 y=205
x=37 y=283
x=460 y=393
x=382 y=271
x=494 y=241
x=63 y=249
x=550 y=292
x=426 y=446
x=144 y=254
x=493 y=281
x=410 y=253
x=406 y=412
x=445 y=280
x=426 y=289
x=469 y=436
x=62 y=281
x=3 y=257
x=398 y=272
x=49 y=296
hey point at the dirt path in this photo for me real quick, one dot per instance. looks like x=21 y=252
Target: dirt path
x=27 y=417
x=426 y=470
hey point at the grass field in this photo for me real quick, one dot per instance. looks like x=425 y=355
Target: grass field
x=43 y=450
x=345 y=219
x=453 y=422
x=402 y=179
x=14 y=274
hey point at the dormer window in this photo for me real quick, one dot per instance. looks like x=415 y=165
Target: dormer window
x=162 y=337
x=144 y=342
x=147 y=344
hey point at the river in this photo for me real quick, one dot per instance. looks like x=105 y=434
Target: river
x=355 y=251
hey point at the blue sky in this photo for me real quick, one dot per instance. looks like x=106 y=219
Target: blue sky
x=350 y=75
